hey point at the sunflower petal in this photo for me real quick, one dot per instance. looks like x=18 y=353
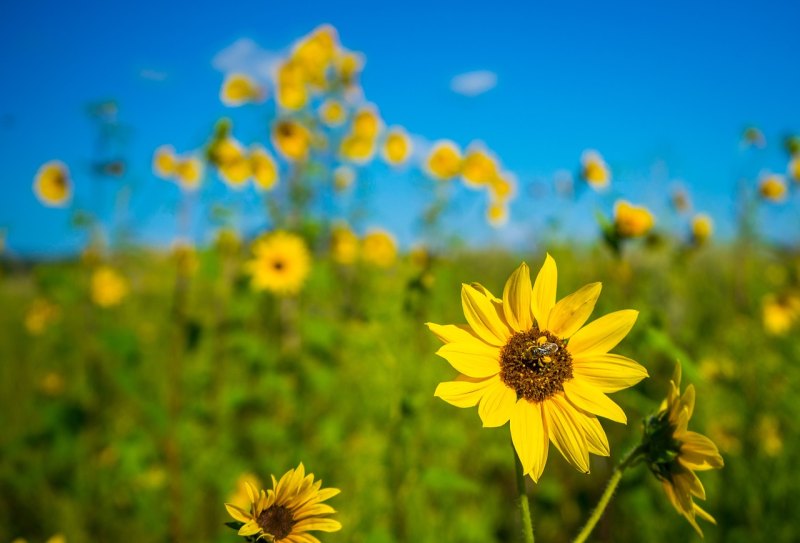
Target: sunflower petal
x=472 y=359
x=482 y=316
x=592 y=400
x=237 y=513
x=571 y=312
x=517 y=299
x=543 y=297
x=462 y=393
x=529 y=436
x=565 y=433
x=452 y=333
x=603 y=334
x=497 y=404
x=250 y=528
x=608 y=372
x=596 y=437
x=318 y=524
x=698 y=452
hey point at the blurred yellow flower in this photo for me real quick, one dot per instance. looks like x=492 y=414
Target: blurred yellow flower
x=594 y=170
x=52 y=184
x=40 y=315
x=239 y=89
x=185 y=170
x=291 y=139
x=769 y=436
x=57 y=538
x=164 y=162
x=315 y=52
x=263 y=167
x=343 y=177
x=794 y=168
x=444 y=160
x=673 y=453
x=291 y=92
x=702 y=228
x=479 y=167
x=232 y=162
x=281 y=263
x=502 y=187
x=534 y=362
x=108 y=287
x=772 y=187
x=779 y=312
x=344 y=245
x=332 y=112
x=293 y=507
x=379 y=248
x=497 y=214
x=240 y=497
x=348 y=65
x=366 y=123
x=396 y=146
x=754 y=137
x=357 y=149
x=632 y=221
x=680 y=200
x=52 y=384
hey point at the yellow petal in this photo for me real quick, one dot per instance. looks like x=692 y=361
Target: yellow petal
x=703 y=514
x=482 y=317
x=466 y=393
x=237 y=513
x=596 y=437
x=570 y=313
x=301 y=538
x=251 y=492
x=608 y=372
x=316 y=509
x=698 y=452
x=590 y=399
x=687 y=400
x=529 y=436
x=565 y=432
x=318 y=524
x=517 y=299
x=497 y=404
x=603 y=334
x=472 y=359
x=543 y=297
x=250 y=528
x=451 y=333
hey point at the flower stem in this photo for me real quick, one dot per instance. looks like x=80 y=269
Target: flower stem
x=524 y=505
x=628 y=460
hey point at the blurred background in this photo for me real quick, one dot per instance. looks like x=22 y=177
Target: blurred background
x=224 y=227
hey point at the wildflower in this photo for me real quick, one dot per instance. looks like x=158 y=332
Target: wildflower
x=52 y=184
x=281 y=263
x=366 y=123
x=185 y=170
x=754 y=137
x=769 y=436
x=348 y=65
x=397 y=146
x=502 y=186
x=479 y=168
x=357 y=149
x=240 y=496
x=532 y=361
x=594 y=170
x=344 y=245
x=674 y=454
x=444 y=161
x=231 y=160
x=291 y=92
x=332 y=113
x=287 y=511
x=632 y=221
x=108 y=287
x=779 y=312
x=164 y=162
x=772 y=187
x=379 y=248
x=794 y=168
x=497 y=214
x=702 y=228
x=314 y=53
x=240 y=89
x=40 y=315
x=291 y=139
x=263 y=167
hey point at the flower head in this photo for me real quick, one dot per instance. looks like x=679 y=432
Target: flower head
x=263 y=167
x=240 y=89
x=779 y=312
x=794 y=168
x=479 y=167
x=281 y=263
x=343 y=177
x=531 y=361
x=186 y=170
x=594 y=170
x=702 y=228
x=344 y=245
x=673 y=453
x=379 y=248
x=444 y=161
x=52 y=184
x=772 y=187
x=41 y=314
x=632 y=221
x=397 y=146
x=332 y=112
x=291 y=139
x=286 y=512
x=108 y=287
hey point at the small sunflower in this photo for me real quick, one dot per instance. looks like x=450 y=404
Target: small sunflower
x=263 y=167
x=291 y=139
x=332 y=112
x=397 y=146
x=52 y=184
x=281 y=263
x=594 y=170
x=444 y=160
x=287 y=512
x=239 y=89
x=673 y=453
x=344 y=245
x=379 y=248
x=772 y=187
x=479 y=167
x=702 y=228
x=108 y=287
x=631 y=221
x=531 y=361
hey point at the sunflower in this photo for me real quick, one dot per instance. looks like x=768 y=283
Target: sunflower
x=108 y=287
x=397 y=146
x=291 y=139
x=281 y=263
x=632 y=221
x=52 y=184
x=594 y=170
x=794 y=168
x=332 y=113
x=263 y=167
x=531 y=361
x=240 y=89
x=497 y=213
x=479 y=167
x=772 y=187
x=444 y=161
x=287 y=512
x=359 y=150
x=379 y=248
x=702 y=228
x=366 y=123
x=673 y=453
x=344 y=244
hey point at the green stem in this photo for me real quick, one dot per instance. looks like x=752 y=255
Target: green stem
x=524 y=505
x=628 y=460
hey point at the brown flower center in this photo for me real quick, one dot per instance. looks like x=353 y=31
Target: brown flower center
x=278 y=265
x=276 y=521
x=535 y=363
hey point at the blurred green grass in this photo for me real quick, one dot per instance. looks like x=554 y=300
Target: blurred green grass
x=116 y=430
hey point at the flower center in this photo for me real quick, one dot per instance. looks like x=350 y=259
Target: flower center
x=276 y=521
x=278 y=265
x=535 y=363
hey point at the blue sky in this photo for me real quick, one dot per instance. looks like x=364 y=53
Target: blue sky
x=662 y=92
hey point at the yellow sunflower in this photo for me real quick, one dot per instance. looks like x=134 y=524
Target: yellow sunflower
x=497 y=213
x=108 y=287
x=357 y=149
x=263 y=167
x=344 y=244
x=531 y=361
x=673 y=453
x=165 y=161
x=632 y=221
x=444 y=161
x=379 y=248
x=794 y=169
x=240 y=89
x=772 y=187
x=291 y=139
x=281 y=263
x=397 y=146
x=479 y=167
x=702 y=228
x=52 y=184
x=332 y=112
x=594 y=170
x=287 y=512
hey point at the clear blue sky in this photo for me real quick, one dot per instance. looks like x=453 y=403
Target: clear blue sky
x=661 y=90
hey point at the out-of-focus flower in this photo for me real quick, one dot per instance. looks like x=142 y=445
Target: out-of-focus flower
x=794 y=168
x=702 y=228
x=680 y=200
x=291 y=139
x=240 y=497
x=769 y=435
x=348 y=65
x=57 y=538
x=396 y=146
x=503 y=186
x=594 y=170
x=185 y=170
x=40 y=315
x=315 y=53
x=290 y=91
x=357 y=149
x=263 y=167
x=281 y=263
x=534 y=362
x=632 y=221
x=674 y=454
x=52 y=184
x=792 y=145
x=344 y=245
x=286 y=513
x=772 y=187
x=366 y=123
x=52 y=384
x=332 y=112
x=108 y=287
x=239 y=89
x=497 y=214
x=479 y=167
x=165 y=161
x=379 y=248
x=232 y=162
x=754 y=137
x=444 y=160
x=343 y=177
x=779 y=312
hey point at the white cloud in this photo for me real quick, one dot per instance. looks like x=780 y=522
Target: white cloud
x=152 y=75
x=246 y=56
x=474 y=83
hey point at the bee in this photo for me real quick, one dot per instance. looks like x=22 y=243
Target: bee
x=542 y=351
